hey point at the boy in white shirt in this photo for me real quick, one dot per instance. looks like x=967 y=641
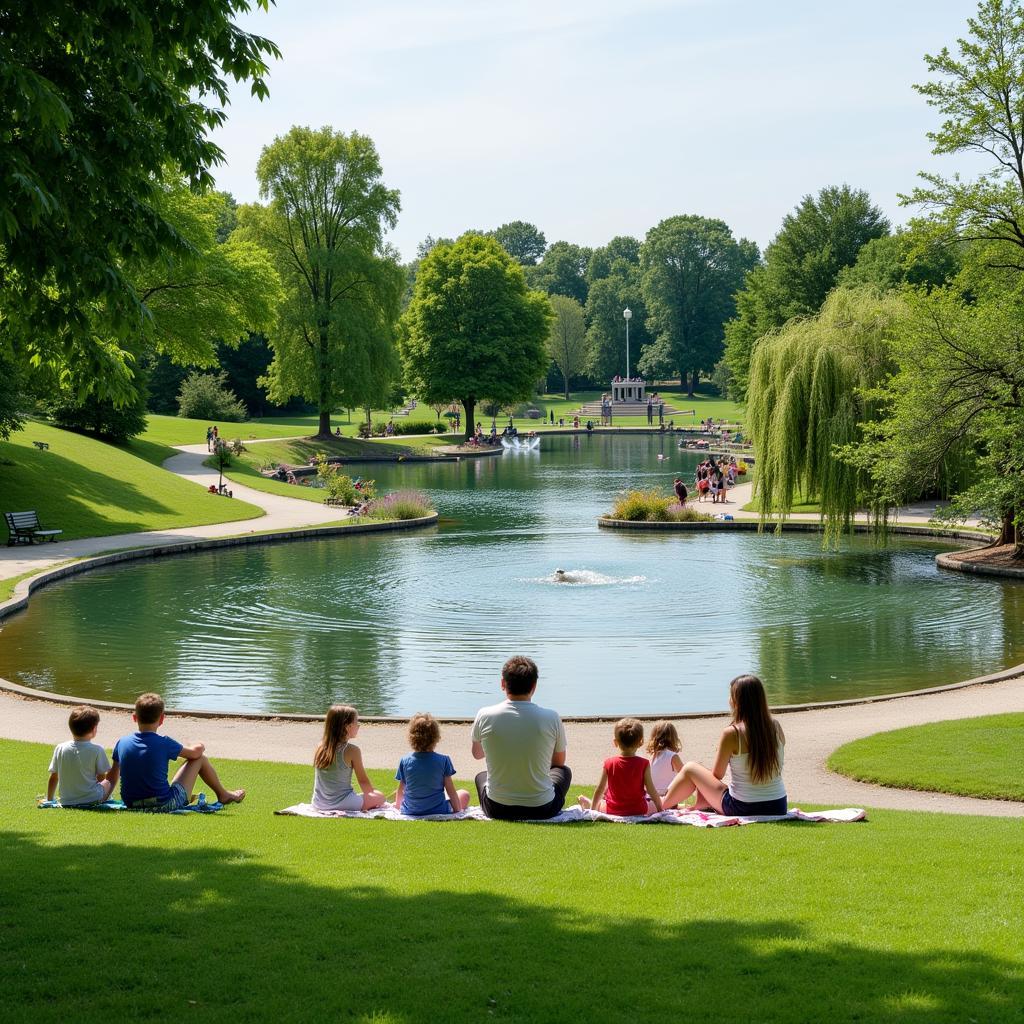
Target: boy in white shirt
x=80 y=767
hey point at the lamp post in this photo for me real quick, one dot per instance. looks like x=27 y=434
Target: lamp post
x=627 y=315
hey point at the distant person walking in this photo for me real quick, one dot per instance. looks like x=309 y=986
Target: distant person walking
x=650 y=410
x=209 y=438
x=524 y=745
x=681 y=492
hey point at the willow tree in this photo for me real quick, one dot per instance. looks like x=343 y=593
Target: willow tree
x=810 y=394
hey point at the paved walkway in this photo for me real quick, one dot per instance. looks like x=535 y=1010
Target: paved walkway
x=281 y=513
x=811 y=735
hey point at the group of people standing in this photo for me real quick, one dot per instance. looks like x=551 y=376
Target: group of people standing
x=713 y=478
x=526 y=778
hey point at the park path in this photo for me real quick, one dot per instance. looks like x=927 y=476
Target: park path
x=280 y=513
x=811 y=735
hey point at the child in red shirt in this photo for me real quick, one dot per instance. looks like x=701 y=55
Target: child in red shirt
x=626 y=778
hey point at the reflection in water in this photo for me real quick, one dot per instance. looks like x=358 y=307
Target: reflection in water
x=394 y=624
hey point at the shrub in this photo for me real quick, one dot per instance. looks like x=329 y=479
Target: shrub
x=654 y=507
x=103 y=419
x=400 y=505
x=206 y=396
x=415 y=427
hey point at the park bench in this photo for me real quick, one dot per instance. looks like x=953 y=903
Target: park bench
x=42 y=445
x=24 y=528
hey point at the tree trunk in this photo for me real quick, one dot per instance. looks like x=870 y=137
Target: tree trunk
x=567 y=391
x=691 y=384
x=324 y=429
x=1007 y=531
x=324 y=387
x=469 y=407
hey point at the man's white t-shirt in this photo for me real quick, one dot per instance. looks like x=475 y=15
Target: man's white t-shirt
x=76 y=764
x=519 y=738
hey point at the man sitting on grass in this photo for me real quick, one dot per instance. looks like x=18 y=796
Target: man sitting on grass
x=141 y=760
x=526 y=777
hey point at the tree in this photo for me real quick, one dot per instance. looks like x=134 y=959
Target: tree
x=103 y=107
x=562 y=271
x=567 y=339
x=606 y=331
x=473 y=330
x=323 y=228
x=522 y=241
x=602 y=260
x=903 y=258
x=801 y=264
x=955 y=406
x=108 y=421
x=205 y=396
x=980 y=95
x=810 y=393
x=691 y=267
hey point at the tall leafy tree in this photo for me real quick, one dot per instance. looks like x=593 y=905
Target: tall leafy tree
x=567 y=339
x=473 y=330
x=562 y=271
x=603 y=259
x=523 y=241
x=101 y=106
x=606 y=328
x=691 y=268
x=801 y=265
x=904 y=258
x=323 y=227
x=980 y=94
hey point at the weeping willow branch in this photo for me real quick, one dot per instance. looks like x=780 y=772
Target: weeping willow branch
x=810 y=388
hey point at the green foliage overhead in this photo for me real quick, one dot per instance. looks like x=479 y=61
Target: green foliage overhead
x=567 y=339
x=809 y=388
x=979 y=93
x=903 y=258
x=205 y=396
x=103 y=106
x=562 y=271
x=473 y=331
x=324 y=228
x=524 y=242
x=691 y=268
x=821 y=236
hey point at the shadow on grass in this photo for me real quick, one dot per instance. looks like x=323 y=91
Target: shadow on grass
x=138 y=933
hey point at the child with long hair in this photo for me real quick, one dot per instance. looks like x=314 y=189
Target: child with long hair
x=426 y=778
x=752 y=748
x=626 y=777
x=335 y=761
x=663 y=748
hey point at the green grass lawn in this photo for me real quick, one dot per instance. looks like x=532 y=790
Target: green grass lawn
x=972 y=757
x=174 y=430
x=242 y=916
x=90 y=489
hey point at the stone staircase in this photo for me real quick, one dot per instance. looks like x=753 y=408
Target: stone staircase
x=593 y=409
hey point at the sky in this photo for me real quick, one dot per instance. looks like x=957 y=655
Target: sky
x=596 y=118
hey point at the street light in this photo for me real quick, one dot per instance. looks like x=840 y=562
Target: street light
x=627 y=315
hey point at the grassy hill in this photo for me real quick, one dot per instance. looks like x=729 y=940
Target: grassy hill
x=91 y=489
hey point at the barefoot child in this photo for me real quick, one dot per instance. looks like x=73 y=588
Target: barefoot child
x=79 y=766
x=664 y=747
x=424 y=776
x=141 y=761
x=625 y=778
x=334 y=762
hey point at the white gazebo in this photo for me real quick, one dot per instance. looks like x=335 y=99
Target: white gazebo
x=629 y=390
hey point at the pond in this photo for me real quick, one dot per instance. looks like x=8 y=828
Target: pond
x=398 y=623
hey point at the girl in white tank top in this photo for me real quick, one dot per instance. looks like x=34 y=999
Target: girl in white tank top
x=663 y=749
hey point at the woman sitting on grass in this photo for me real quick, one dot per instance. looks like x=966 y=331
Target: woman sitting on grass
x=752 y=748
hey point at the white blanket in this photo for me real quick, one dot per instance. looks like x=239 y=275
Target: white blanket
x=700 y=819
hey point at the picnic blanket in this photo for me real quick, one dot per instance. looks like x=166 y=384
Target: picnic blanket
x=575 y=814
x=199 y=807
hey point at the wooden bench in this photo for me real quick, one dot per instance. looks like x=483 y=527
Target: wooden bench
x=43 y=446
x=24 y=528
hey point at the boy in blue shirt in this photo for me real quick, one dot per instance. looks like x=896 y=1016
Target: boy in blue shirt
x=425 y=778
x=141 y=760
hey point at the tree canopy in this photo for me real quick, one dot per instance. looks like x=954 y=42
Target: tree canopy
x=562 y=271
x=567 y=339
x=691 y=267
x=473 y=330
x=523 y=241
x=801 y=265
x=324 y=227
x=102 y=107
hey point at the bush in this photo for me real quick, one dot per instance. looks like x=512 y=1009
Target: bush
x=400 y=505
x=205 y=396
x=102 y=419
x=416 y=427
x=654 y=507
